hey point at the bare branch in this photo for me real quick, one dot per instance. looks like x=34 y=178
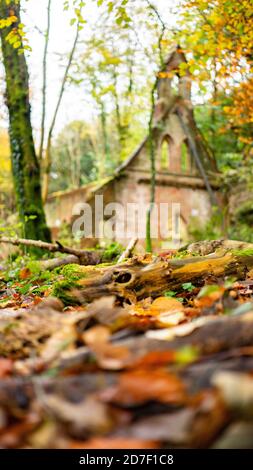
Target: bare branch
x=44 y=85
x=85 y=256
x=51 y=129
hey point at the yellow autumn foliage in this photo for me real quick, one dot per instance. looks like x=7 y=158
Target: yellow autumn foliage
x=219 y=35
x=5 y=164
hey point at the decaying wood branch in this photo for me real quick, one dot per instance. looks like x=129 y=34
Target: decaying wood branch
x=207 y=247
x=85 y=257
x=53 y=263
x=138 y=279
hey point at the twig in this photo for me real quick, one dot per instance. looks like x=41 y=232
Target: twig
x=128 y=251
x=44 y=86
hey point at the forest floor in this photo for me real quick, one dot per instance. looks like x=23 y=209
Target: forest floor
x=154 y=352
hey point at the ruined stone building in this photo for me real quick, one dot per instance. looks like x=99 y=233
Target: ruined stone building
x=185 y=168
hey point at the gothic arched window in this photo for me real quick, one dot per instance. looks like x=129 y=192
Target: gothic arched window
x=185 y=158
x=165 y=154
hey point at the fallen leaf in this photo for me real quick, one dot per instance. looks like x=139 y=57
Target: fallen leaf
x=167 y=334
x=114 y=443
x=237 y=391
x=170 y=319
x=111 y=357
x=6 y=367
x=141 y=386
x=13 y=435
x=166 y=305
x=155 y=358
x=24 y=273
x=161 y=305
x=194 y=426
x=96 y=335
x=8 y=303
x=88 y=415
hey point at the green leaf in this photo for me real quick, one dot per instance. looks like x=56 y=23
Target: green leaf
x=170 y=293
x=207 y=290
x=188 y=286
x=186 y=355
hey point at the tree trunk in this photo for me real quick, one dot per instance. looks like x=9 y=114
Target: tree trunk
x=25 y=166
x=106 y=147
x=44 y=86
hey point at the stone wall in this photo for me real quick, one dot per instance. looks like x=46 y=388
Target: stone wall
x=133 y=186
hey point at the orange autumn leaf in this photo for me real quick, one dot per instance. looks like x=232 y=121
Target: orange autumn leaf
x=98 y=334
x=160 y=306
x=114 y=443
x=110 y=356
x=24 y=273
x=6 y=366
x=141 y=386
x=155 y=358
x=166 y=305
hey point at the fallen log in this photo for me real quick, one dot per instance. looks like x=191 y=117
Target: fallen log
x=138 y=278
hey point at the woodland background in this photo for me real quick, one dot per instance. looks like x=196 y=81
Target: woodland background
x=92 y=69
x=107 y=348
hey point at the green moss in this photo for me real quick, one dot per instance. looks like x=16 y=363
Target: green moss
x=113 y=251
x=105 y=265
x=34 y=267
x=70 y=277
x=72 y=272
x=243 y=252
x=62 y=290
x=184 y=254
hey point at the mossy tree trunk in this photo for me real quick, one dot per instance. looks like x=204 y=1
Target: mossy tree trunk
x=25 y=165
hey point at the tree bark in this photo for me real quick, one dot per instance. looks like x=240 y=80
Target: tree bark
x=136 y=279
x=25 y=165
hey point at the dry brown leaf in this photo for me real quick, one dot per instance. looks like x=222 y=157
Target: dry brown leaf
x=167 y=334
x=160 y=306
x=24 y=273
x=111 y=357
x=114 y=443
x=63 y=339
x=166 y=305
x=154 y=359
x=170 y=319
x=96 y=335
x=236 y=389
x=13 y=435
x=210 y=299
x=89 y=415
x=141 y=386
x=6 y=367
